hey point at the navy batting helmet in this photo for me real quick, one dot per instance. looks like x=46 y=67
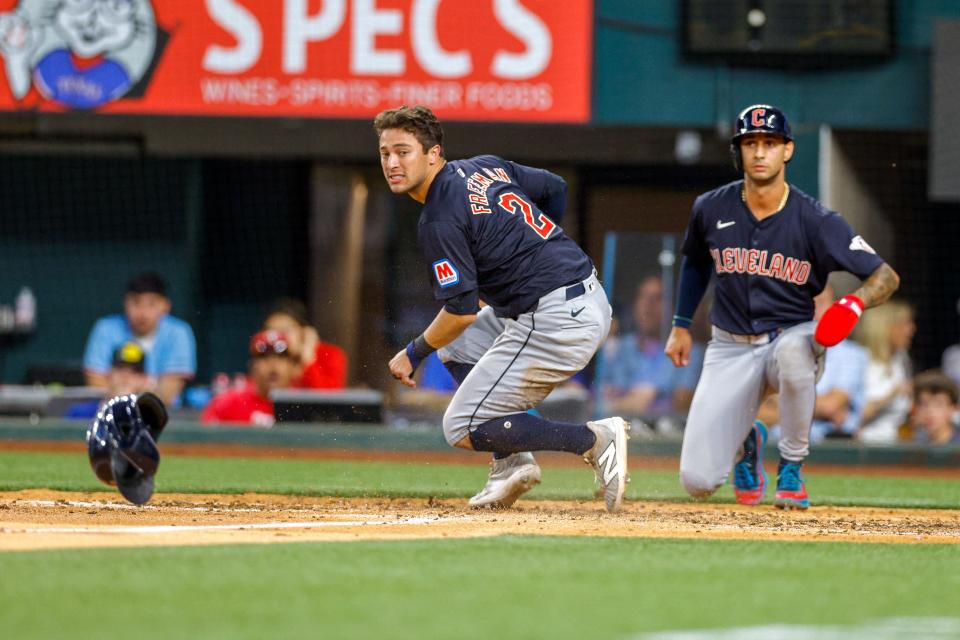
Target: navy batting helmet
x=758 y=118
x=122 y=444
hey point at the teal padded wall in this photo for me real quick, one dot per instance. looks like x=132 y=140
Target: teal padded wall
x=641 y=78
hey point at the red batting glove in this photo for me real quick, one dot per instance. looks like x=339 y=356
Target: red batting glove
x=838 y=321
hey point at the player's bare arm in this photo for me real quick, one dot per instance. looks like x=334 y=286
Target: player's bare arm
x=878 y=288
x=679 y=344
x=840 y=319
x=98 y=380
x=170 y=386
x=442 y=331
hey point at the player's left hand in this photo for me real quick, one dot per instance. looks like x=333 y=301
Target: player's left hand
x=838 y=321
x=401 y=369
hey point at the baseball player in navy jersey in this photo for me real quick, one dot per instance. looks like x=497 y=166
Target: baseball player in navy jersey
x=771 y=248
x=485 y=234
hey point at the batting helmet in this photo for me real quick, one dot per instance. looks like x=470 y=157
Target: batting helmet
x=758 y=118
x=122 y=444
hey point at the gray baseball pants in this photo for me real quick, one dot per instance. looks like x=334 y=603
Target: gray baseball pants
x=535 y=353
x=738 y=373
x=470 y=345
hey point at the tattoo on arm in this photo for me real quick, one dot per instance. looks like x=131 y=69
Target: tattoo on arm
x=877 y=288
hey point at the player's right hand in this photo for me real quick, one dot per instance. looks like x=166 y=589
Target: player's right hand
x=838 y=321
x=401 y=369
x=678 y=346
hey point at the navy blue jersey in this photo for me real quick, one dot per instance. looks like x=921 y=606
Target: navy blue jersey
x=486 y=226
x=768 y=271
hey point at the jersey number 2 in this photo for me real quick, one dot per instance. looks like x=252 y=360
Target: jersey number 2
x=512 y=203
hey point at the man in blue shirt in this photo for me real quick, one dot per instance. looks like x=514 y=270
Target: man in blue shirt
x=638 y=380
x=171 y=350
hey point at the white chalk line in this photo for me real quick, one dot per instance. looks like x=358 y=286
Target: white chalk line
x=120 y=506
x=146 y=529
x=883 y=629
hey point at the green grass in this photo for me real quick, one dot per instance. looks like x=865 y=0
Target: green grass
x=505 y=587
x=71 y=472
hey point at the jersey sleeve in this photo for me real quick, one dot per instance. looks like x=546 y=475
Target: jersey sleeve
x=694 y=243
x=446 y=249
x=843 y=250
x=547 y=190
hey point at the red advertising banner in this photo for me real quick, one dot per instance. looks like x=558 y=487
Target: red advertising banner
x=518 y=60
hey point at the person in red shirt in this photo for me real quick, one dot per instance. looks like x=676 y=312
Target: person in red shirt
x=322 y=365
x=272 y=366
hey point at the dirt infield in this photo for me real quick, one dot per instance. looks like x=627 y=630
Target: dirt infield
x=39 y=519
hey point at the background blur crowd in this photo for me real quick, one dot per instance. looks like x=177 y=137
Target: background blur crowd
x=868 y=390
x=145 y=348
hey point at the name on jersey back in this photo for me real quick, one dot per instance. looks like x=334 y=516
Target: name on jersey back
x=478 y=184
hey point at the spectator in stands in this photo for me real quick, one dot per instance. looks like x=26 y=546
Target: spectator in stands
x=637 y=379
x=168 y=342
x=321 y=365
x=934 y=418
x=887 y=332
x=272 y=366
x=950 y=364
x=127 y=375
x=841 y=393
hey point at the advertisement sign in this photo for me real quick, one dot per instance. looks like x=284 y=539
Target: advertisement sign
x=516 y=60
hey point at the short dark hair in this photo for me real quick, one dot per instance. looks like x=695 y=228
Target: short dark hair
x=935 y=382
x=148 y=282
x=289 y=307
x=418 y=120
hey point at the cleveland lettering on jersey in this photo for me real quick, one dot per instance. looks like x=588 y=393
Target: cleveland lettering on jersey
x=755 y=262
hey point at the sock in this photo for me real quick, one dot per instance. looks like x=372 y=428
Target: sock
x=530 y=433
x=501 y=456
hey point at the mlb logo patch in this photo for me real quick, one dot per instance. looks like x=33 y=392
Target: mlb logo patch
x=445 y=273
x=859 y=244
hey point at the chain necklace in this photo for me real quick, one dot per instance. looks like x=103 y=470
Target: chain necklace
x=783 y=200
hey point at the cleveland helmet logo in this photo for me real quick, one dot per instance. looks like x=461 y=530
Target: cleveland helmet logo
x=79 y=53
x=757 y=118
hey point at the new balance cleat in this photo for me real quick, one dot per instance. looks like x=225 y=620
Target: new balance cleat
x=510 y=478
x=791 y=490
x=608 y=457
x=749 y=477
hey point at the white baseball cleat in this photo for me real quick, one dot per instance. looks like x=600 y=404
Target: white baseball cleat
x=510 y=478
x=608 y=457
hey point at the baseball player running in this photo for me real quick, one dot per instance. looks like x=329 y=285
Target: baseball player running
x=484 y=233
x=771 y=247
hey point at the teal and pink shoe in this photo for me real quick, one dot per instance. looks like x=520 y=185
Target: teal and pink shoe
x=749 y=478
x=791 y=490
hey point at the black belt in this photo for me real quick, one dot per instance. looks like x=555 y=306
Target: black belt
x=575 y=291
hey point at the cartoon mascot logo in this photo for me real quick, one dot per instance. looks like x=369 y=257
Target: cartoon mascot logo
x=81 y=54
